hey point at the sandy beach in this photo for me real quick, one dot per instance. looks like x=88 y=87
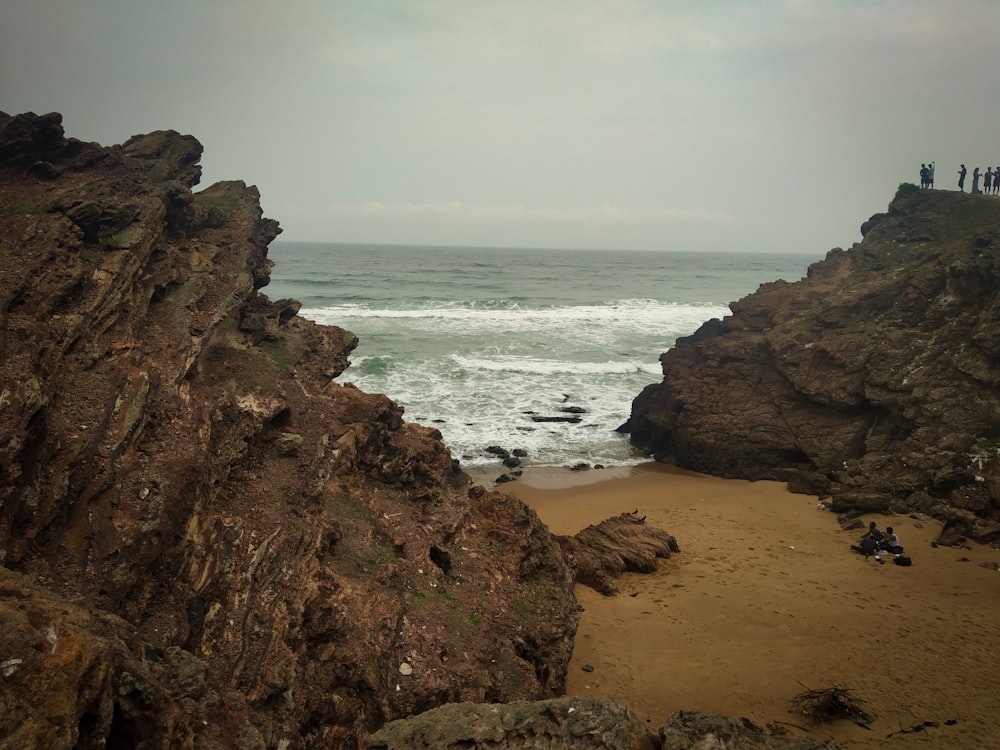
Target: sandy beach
x=766 y=600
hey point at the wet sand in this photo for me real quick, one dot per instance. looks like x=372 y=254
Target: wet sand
x=766 y=600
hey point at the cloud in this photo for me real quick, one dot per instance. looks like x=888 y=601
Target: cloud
x=462 y=212
x=633 y=123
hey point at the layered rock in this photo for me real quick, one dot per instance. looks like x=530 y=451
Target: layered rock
x=207 y=541
x=874 y=381
x=576 y=724
x=600 y=554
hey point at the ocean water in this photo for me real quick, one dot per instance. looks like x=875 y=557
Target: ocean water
x=481 y=343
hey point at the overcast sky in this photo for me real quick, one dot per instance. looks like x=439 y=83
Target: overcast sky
x=772 y=125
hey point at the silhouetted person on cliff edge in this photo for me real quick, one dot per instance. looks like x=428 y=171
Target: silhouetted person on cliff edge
x=930 y=175
x=988 y=180
x=961 y=179
x=923 y=176
x=996 y=182
x=975 y=180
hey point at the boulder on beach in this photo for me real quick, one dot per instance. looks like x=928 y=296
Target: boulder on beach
x=599 y=554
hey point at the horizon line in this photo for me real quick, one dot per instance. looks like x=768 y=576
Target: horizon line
x=440 y=246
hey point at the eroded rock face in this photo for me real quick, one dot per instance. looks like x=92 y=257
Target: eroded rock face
x=229 y=548
x=875 y=380
x=571 y=723
x=576 y=724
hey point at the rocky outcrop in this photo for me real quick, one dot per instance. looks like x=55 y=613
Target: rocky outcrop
x=600 y=554
x=576 y=724
x=206 y=541
x=875 y=381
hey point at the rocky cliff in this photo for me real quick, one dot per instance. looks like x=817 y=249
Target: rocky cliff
x=874 y=381
x=205 y=540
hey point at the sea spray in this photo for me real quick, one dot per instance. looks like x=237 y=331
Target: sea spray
x=489 y=346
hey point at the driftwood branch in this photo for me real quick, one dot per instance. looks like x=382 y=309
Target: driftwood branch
x=832 y=704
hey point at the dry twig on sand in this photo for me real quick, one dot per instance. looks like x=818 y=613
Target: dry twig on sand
x=833 y=703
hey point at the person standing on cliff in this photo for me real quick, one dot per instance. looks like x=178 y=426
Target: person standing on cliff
x=930 y=175
x=923 y=176
x=961 y=179
x=975 y=180
x=988 y=180
x=996 y=182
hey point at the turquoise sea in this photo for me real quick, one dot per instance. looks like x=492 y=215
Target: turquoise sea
x=482 y=343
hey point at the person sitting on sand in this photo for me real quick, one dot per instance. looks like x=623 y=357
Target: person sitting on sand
x=873 y=533
x=890 y=543
x=869 y=544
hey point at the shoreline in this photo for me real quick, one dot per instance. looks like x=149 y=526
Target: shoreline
x=553 y=477
x=766 y=600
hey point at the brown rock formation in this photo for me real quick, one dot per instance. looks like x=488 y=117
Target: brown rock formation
x=576 y=724
x=600 y=554
x=571 y=723
x=205 y=540
x=875 y=380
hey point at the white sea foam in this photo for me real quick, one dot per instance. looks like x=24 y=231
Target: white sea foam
x=528 y=365
x=490 y=312
x=482 y=376
x=480 y=401
x=479 y=343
